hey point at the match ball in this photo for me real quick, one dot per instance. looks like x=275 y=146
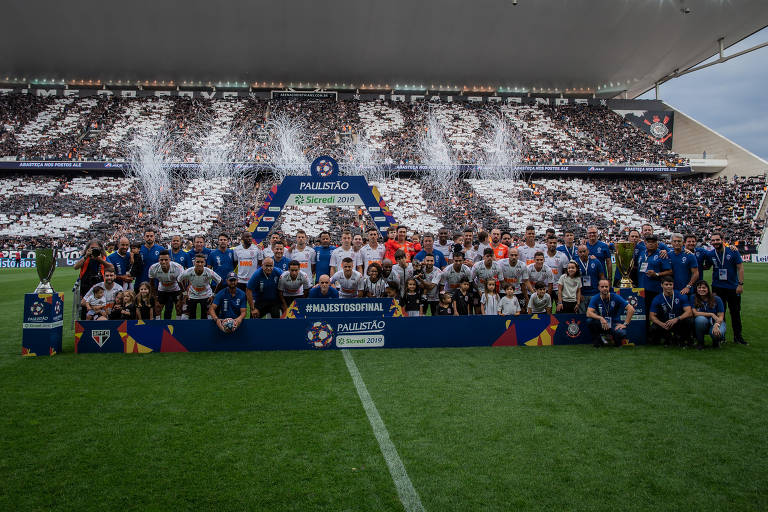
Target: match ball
x=228 y=324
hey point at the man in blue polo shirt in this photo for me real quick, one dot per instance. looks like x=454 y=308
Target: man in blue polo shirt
x=671 y=315
x=262 y=290
x=685 y=267
x=222 y=260
x=229 y=303
x=323 y=251
x=278 y=255
x=428 y=247
x=728 y=281
x=701 y=255
x=150 y=253
x=592 y=272
x=599 y=250
x=198 y=247
x=604 y=316
x=324 y=290
x=179 y=255
x=650 y=269
x=121 y=259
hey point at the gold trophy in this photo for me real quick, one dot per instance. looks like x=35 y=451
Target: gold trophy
x=625 y=260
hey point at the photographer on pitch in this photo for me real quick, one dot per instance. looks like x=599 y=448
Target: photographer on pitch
x=92 y=266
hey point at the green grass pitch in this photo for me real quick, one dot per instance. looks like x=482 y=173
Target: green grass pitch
x=557 y=428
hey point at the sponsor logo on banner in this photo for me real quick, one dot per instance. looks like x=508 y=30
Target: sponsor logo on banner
x=320 y=335
x=758 y=258
x=374 y=209
x=100 y=336
x=323 y=185
x=362 y=334
x=323 y=199
x=37 y=309
x=262 y=229
x=268 y=219
x=274 y=208
x=379 y=219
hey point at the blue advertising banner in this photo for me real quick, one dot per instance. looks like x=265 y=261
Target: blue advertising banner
x=42 y=329
x=346 y=308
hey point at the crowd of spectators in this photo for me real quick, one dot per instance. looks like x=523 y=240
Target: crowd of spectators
x=101 y=128
x=32 y=208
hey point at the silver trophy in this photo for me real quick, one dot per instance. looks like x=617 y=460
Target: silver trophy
x=45 y=261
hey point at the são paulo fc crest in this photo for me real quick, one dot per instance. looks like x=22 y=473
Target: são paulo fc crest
x=320 y=335
x=324 y=167
x=100 y=336
x=573 y=330
x=36 y=309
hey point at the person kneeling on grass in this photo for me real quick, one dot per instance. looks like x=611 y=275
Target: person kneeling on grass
x=541 y=301
x=229 y=306
x=603 y=316
x=670 y=316
x=709 y=315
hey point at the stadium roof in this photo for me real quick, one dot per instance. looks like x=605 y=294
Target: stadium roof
x=607 y=46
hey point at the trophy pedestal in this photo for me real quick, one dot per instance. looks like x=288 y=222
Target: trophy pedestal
x=43 y=326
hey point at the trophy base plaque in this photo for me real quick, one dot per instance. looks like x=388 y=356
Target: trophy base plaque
x=43 y=327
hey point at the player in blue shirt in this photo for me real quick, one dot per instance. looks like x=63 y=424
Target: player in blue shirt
x=685 y=267
x=324 y=250
x=121 y=260
x=150 y=253
x=229 y=303
x=179 y=255
x=569 y=248
x=428 y=247
x=222 y=260
x=262 y=290
x=281 y=262
x=591 y=271
x=603 y=316
x=728 y=281
x=599 y=250
x=651 y=267
x=324 y=290
x=709 y=316
x=671 y=315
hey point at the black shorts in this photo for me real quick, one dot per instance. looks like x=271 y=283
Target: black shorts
x=168 y=297
x=192 y=308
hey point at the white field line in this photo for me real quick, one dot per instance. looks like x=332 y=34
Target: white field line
x=408 y=495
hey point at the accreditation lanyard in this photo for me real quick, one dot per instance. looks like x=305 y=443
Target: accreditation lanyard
x=606 y=308
x=669 y=304
x=570 y=254
x=583 y=265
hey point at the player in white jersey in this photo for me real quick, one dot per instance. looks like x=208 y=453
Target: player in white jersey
x=345 y=251
x=556 y=261
x=426 y=279
x=248 y=256
x=539 y=272
x=450 y=277
x=348 y=280
x=373 y=251
x=527 y=250
x=164 y=276
x=374 y=285
x=198 y=281
x=515 y=272
x=305 y=255
x=293 y=284
x=444 y=245
x=486 y=269
x=268 y=251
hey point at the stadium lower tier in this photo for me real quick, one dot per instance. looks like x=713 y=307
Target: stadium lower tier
x=67 y=212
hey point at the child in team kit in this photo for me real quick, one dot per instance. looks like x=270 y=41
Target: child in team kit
x=540 y=302
x=97 y=305
x=462 y=299
x=445 y=307
x=489 y=301
x=509 y=305
x=569 y=289
x=412 y=301
x=145 y=303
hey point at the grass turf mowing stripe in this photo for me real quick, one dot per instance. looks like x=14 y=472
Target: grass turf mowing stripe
x=408 y=495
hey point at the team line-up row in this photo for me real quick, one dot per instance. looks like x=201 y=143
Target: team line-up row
x=535 y=277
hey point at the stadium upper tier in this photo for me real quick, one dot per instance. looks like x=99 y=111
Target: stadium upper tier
x=383 y=132
x=40 y=210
